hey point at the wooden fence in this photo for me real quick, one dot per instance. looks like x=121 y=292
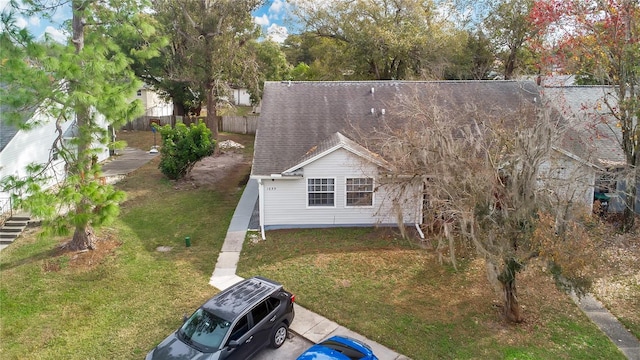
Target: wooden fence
x=239 y=124
x=232 y=124
x=143 y=123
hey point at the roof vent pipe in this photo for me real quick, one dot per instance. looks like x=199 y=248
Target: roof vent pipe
x=373 y=90
x=383 y=111
x=373 y=111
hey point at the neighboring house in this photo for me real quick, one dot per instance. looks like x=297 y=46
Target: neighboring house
x=19 y=148
x=586 y=108
x=153 y=103
x=311 y=174
x=241 y=97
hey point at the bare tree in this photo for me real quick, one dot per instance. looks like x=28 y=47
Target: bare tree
x=485 y=171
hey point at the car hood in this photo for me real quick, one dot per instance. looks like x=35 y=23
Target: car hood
x=173 y=348
x=319 y=352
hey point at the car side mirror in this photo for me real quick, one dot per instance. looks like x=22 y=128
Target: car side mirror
x=234 y=344
x=184 y=318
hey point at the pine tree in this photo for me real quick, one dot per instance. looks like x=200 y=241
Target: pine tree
x=87 y=80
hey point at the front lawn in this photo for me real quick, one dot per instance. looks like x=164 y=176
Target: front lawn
x=398 y=294
x=121 y=300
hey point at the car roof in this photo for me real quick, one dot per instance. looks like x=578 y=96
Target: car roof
x=235 y=300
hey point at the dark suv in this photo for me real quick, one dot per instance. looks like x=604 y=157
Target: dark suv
x=233 y=325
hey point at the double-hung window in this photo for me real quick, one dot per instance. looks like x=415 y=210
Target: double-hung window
x=359 y=192
x=321 y=192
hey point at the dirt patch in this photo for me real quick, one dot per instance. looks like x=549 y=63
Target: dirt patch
x=61 y=257
x=223 y=169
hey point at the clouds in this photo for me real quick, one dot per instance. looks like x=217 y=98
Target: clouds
x=39 y=26
x=277 y=7
x=270 y=18
x=277 y=33
x=262 y=20
x=56 y=34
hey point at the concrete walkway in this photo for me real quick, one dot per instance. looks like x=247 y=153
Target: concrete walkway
x=306 y=324
x=609 y=324
x=124 y=162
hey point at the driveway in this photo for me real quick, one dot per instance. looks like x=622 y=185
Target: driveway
x=290 y=350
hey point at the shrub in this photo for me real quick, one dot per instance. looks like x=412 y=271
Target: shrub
x=182 y=147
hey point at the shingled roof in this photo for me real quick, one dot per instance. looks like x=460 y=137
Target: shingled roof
x=591 y=121
x=298 y=117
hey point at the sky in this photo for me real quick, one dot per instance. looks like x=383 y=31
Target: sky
x=270 y=17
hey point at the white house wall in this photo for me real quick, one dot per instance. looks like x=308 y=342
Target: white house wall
x=241 y=97
x=568 y=180
x=153 y=104
x=32 y=146
x=285 y=201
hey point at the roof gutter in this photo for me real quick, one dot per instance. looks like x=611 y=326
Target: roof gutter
x=283 y=176
x=261 y=208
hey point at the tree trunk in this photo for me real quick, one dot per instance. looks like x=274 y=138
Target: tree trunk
x=511 y=306
x=83 y=239
x=510 y=65
x=508 y=280
x=629 y=214
x=212 y=117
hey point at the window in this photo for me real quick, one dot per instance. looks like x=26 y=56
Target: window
x=139 y=93
x=204 y=329
x=359 y=192
x=321 y=192
x=241 y=328
x=259 y=312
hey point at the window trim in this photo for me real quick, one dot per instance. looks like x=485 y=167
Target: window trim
x=335 y=185
x=346 y=192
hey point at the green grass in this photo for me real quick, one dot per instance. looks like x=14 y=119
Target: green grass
x=399 y=295
x=121 y=304
x=124 y=303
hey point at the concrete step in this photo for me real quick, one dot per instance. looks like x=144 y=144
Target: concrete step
x=7 y=239
x=12 y=222
x=20 y=218
x=12 y=229
x=8 y=235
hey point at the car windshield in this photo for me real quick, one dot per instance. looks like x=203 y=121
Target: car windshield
x=204 y=330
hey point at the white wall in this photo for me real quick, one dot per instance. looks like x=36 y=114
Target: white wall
x=568 y=180
x=241 y=97
x=34 y=146
x=153 y=104
x=31 y=146
x=285 y=201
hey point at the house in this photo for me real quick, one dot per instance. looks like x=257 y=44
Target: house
x=241 y=96
x=154 y=105
x=310 y=173
x=587 y=110
x=19 y=148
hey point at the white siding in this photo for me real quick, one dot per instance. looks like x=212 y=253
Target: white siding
x=29 y=147
x=569 y=180
x=241 y=97
x=285 y=201
x=34 y=146
x=153 y=104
